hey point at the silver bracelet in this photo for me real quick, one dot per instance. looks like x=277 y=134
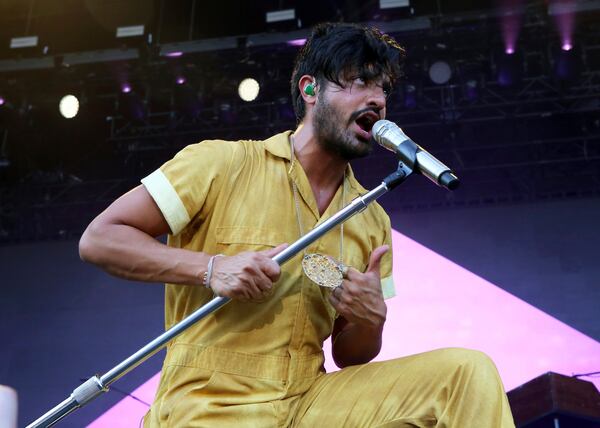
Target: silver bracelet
x=208 y=274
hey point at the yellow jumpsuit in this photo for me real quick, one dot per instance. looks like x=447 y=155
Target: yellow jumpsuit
x=261 y=364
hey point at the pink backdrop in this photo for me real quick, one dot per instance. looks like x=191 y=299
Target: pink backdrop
x=440 y=304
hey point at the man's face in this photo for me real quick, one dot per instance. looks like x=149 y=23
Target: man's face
x=344 y=116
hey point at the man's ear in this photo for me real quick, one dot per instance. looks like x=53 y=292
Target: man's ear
x=308 y=88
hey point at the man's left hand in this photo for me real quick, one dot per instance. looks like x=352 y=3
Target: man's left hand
x=360 y=299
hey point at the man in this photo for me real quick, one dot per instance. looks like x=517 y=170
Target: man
x=228 y=207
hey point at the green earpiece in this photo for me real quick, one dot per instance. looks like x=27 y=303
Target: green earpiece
x=310 y=89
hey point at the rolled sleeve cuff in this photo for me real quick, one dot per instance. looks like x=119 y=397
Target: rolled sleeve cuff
x=168 y=201
x=388 y=288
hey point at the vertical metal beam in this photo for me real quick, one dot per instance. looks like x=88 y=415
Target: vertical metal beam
x=192 y=20
x=29 y=16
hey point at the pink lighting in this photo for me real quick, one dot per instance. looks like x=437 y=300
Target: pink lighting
x=510 y=22
x=175 y=54
x=440 y=304
x=564 y=15
x=2 y=101
x=296 y=42
x=180 y=80
x=126 y=88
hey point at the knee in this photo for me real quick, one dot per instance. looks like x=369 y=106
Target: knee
x=475 y=365
x=468 y=359
x=472 y=368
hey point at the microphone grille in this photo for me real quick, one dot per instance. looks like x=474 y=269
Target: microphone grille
x=380 y=127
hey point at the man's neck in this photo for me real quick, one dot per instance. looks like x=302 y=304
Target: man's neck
x=325 y=171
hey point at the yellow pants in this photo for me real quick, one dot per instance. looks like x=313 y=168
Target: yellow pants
x=444 y=388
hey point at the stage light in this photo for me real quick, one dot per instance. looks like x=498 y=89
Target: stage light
x=390 y=4
x=296 y=42
x=510 y=23
x=564 y=16
x=180 y=80
x=174 y=54
x=23 y=42
x=440 y=72
x=69 y=106
x=2 y=100
x=248 y=89
x=125 y=88
x=131 y=31
x=280 y=15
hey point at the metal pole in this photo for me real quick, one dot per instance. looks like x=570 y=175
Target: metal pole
x=95 y=385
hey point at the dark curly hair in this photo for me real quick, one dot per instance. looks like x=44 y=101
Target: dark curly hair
x=334 y=51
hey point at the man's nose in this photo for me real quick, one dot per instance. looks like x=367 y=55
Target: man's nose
x=376 y=98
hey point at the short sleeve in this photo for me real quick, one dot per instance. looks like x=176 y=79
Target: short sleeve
x=181 y=186
x=386 y=268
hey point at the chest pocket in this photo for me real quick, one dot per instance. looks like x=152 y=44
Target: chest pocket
x=235 y=239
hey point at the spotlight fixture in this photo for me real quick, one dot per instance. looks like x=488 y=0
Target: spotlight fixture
x=248 y=89
x=125 y=88
x=130 y=31
x=23 y=42
x=2 y=100
x=390 y=4
x=440 y=72
x=280 y=15
x=69 y=106
x=180 y=80
x=567 y=46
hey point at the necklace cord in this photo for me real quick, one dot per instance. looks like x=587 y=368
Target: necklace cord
x=297 y=203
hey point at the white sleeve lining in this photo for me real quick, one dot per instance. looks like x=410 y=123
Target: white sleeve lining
x=168 y=201
x=388 y=288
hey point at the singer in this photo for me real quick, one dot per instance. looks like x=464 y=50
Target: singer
x=228 y=208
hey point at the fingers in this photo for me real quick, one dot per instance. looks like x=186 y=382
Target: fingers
x=247 y=276
x=270 y=267
x=375 y=260
x=336 y=297
x=272 y=252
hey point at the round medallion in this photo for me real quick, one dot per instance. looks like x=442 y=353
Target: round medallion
x=323 y=270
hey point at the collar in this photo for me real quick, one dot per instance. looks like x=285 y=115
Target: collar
x=279 y=145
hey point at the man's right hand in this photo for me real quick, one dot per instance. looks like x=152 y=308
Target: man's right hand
x=247 y=276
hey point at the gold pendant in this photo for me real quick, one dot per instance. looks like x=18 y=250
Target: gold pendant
x=323 y=270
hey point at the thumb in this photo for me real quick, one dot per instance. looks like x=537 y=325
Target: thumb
x=272 y=252
x=375 y=259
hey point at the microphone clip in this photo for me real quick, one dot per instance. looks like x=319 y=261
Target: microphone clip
x=397 y=177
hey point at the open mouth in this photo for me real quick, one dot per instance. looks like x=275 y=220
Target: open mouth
x=366 y=121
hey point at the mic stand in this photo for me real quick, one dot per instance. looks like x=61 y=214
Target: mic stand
x=96 y=385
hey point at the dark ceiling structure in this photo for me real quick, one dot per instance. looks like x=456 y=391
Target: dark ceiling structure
x=506 y=92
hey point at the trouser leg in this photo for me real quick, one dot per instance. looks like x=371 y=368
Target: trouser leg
x=443 y=388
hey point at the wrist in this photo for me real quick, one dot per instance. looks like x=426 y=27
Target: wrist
x=207 y=276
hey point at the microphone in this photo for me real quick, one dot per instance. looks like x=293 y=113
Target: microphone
x=390 y=136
